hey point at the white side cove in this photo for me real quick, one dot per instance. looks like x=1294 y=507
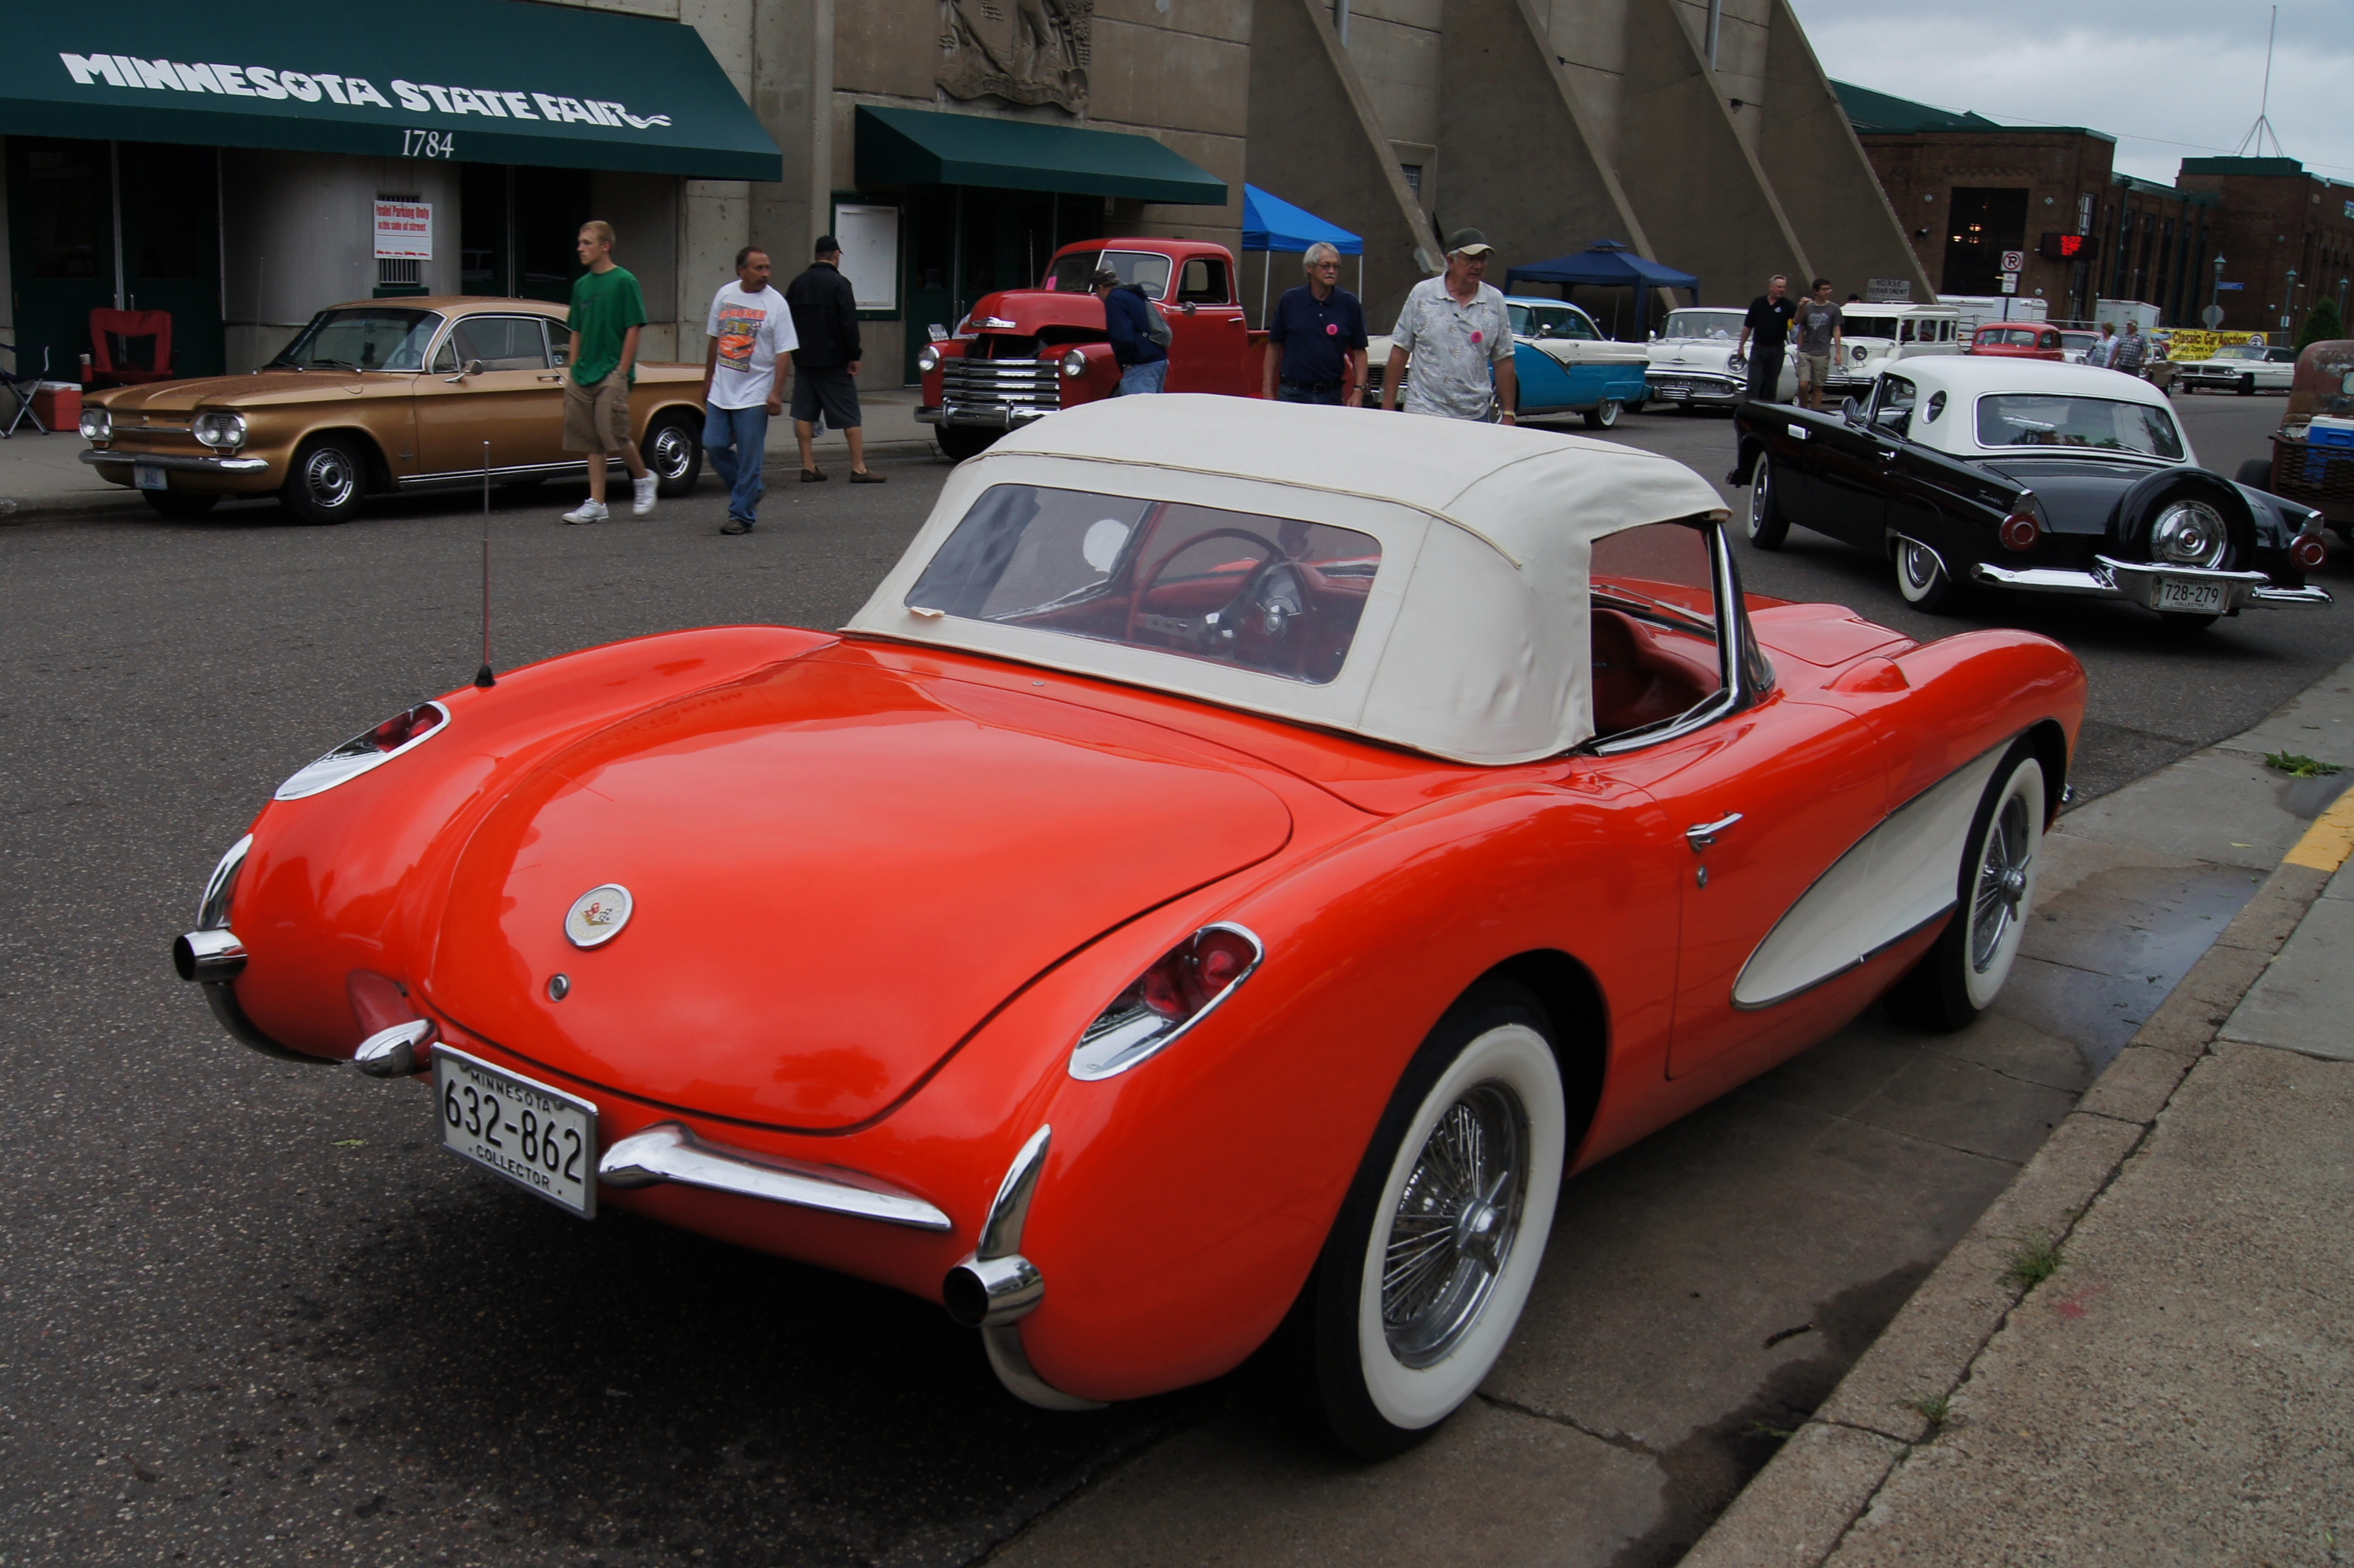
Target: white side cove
x=1903 y=874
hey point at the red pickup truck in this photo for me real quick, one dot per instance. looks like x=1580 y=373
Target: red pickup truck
x=1023 y=354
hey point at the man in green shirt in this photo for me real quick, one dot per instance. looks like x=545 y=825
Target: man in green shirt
x=607 y=312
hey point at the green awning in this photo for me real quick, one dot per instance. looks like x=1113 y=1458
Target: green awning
x=923 y=146
x=489 y=81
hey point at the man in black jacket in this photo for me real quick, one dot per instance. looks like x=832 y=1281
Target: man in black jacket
x=825 y=367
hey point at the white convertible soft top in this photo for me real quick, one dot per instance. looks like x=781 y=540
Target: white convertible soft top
x=1474 y=644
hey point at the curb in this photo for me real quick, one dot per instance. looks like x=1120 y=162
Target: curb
x=17 y=511
x=1795 y=1512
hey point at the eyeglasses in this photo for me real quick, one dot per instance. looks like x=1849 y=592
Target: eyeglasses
x=1320 y=266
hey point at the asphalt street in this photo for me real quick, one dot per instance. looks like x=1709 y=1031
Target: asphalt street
x=253 y=1316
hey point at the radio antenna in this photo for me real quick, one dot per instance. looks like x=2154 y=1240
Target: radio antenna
x=483 y=677
x=2253 y=143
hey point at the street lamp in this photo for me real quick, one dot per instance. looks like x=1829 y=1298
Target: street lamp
x=2214 y=315
x=2288 y=304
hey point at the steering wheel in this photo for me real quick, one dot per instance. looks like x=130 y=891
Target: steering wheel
x=1145 y=582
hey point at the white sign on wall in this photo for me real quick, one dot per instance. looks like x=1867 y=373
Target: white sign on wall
x=1888 y=291
x=404 y=231
x=870 y=253
x=2014 y=260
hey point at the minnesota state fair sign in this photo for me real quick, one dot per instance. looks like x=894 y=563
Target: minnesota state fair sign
x=333 y=93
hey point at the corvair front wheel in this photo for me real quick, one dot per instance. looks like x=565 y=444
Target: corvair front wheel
x=673 y=453
x=1430 y=1261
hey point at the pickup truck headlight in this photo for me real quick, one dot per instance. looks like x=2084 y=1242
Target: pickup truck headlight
x=96 y=425
x=220 y=428
x=1074 y=364
x=927 y=359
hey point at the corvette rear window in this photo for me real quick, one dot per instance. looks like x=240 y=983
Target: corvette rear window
x=2040 y=420
x=1272 y=595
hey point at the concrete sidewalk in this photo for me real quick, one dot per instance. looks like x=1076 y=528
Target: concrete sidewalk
x=43 y=476
x=2142 y=1353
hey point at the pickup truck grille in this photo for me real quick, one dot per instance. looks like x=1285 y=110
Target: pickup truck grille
x=1016 y=383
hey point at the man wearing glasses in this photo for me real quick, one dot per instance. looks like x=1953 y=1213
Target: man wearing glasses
x=1459 y=336
x=1318 y=334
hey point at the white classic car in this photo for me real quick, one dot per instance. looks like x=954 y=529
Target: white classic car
x=2247 y=368
x=1875 y=336
x=1694 y=361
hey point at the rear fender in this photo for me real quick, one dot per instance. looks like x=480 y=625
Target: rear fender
x=1187 y=1199
x=348 y=879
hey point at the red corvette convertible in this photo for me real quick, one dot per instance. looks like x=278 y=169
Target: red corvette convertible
x=1239 y=861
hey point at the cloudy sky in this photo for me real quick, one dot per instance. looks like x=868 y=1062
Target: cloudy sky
x=2170 y=78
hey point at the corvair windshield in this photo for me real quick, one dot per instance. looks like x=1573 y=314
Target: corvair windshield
x=2041 y=419
x=1272 y=595
x=365 y=337
x=1725 y=324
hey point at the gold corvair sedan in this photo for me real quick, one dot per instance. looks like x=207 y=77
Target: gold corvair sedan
x=378 y=397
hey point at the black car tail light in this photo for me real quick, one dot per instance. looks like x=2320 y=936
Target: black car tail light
x=2020 y=531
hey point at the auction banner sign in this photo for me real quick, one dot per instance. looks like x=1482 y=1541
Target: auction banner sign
x=2190 y=343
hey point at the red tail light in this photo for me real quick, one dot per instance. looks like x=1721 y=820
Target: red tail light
x=402 y=728
x=1168 y=999
x=2020 y=531
x=2309 y=551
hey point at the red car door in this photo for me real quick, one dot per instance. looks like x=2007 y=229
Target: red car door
x=1206 y=330
x=1767 y=797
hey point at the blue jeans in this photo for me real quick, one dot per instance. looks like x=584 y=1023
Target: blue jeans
x=735 y=440
x=1141 y=378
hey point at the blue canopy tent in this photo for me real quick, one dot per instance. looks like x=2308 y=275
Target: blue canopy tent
x=1609 y=264
x=1271 y=224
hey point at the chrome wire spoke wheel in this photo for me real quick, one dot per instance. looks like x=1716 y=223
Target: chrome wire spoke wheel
x=1455 y=1224
x=2002 y=883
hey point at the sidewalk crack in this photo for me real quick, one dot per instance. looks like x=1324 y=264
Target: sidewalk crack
x=1616 y=1439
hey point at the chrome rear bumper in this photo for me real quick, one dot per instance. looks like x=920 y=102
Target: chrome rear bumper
x=669 y=1153
x=2135 y=582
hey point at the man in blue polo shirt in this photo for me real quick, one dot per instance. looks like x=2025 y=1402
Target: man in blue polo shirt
x=1318 y=334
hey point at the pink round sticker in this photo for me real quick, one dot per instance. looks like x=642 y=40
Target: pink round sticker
x=1332 y=329
x=1478 y=337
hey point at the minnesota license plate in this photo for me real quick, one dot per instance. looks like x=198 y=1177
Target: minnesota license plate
x=149 y=477
x=2185 y=593
x=542 y=1140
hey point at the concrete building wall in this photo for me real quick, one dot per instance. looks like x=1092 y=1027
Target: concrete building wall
x=1834 y=200
x=1316 y=140
x=1394 y=46
x=297 y=229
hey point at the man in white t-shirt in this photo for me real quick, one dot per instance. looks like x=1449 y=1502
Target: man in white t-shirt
x=744 y=376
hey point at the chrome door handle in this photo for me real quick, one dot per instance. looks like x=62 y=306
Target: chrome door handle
x=1703 y=835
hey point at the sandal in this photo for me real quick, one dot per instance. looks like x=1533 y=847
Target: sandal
x=812 y=476
x=860 y=476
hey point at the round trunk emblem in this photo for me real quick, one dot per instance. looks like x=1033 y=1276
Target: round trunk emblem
x=598 y=915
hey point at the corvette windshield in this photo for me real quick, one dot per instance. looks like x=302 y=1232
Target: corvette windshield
x=1268 y=594
x=2039 y=419
x=363 y=338
x=1725 y=324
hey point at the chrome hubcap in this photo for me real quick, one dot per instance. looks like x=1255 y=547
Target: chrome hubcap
x=1455 y=1225
x=2001 y=883
x=328 y=477
x=1921 y=565
x=1760 y=501
x=2188 y=534
x=671 y=453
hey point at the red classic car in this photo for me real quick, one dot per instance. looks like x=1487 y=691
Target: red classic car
x=2017 y=340
x=1233 y=868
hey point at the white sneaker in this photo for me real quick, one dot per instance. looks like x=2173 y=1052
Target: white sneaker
x=643 y=501
x=587 y=512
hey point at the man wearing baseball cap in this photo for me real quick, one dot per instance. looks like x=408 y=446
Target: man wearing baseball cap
x=1458 y=337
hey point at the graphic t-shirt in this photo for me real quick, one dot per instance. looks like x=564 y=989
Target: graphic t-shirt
x=1817 y=321
x=605 y=306
x=752 y=330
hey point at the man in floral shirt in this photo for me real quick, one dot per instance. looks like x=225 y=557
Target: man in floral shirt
x=1457 y=336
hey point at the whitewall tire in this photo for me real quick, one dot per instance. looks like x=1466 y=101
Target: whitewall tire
x=1960 y=977
x=1433 y=1255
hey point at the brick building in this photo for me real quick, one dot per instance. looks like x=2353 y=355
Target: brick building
x=1968 y=189
x=2285 y=234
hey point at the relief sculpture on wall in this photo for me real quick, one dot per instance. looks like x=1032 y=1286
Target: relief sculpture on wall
x=1024 y=52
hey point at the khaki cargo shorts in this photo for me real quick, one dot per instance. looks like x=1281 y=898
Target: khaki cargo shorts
x=596 y=418
x=1814 y=371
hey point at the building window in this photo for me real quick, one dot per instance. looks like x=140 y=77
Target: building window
x=1982 y=222
x=1412 y=172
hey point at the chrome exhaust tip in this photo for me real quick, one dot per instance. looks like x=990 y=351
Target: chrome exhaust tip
x=984 y=1292
x=208 y=956
x=397 y=1051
